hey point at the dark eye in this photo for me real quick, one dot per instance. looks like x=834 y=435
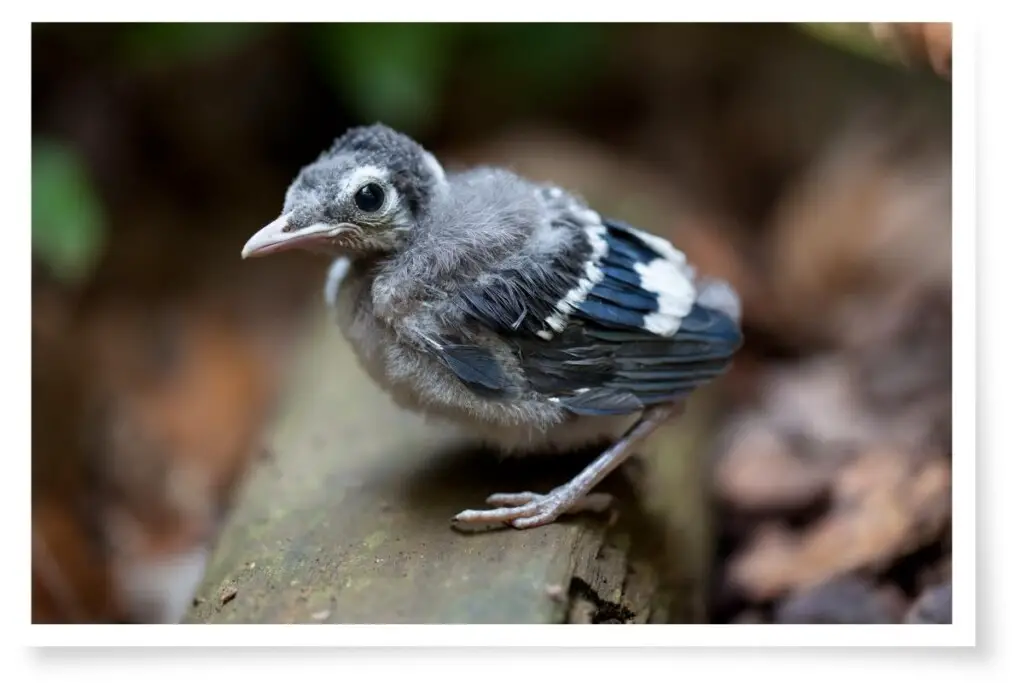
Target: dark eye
x=370 y=197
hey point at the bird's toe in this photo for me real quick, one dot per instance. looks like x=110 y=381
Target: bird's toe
x=526 y=509
x=512 y=499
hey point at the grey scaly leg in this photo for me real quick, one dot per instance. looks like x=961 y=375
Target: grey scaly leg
x=526 y=510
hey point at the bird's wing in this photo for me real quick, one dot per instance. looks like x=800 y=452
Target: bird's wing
x=609 y=324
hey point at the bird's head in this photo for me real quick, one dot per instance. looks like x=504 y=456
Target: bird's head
x=361 y=197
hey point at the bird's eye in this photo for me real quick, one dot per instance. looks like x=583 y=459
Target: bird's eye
x=370 y=197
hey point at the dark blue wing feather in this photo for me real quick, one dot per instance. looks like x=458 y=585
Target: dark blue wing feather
x=629 y=298
x=478 y=369
x=596 y=369
x=606 y=360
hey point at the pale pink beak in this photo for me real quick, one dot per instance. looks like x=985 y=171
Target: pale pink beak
x=277 y=236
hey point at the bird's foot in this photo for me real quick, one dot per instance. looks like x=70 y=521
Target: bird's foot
x=526 y=510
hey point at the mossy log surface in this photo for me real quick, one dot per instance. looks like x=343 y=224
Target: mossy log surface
x=347 y=521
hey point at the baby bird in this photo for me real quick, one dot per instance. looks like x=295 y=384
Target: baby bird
x=508 y=307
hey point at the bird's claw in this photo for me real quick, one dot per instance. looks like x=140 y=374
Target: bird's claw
x=526 y=510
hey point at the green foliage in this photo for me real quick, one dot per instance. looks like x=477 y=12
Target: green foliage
x=155 y=44
x=396 y=72
x=390 y=72
x=67 y=219
x=548 y=58
x=853 y=37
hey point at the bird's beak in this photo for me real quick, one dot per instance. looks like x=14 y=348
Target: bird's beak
x=277 y=236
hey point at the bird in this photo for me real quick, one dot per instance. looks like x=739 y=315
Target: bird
x=505 y=306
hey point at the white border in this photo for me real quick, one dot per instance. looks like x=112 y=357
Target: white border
x=541 y=636
x=16 y=247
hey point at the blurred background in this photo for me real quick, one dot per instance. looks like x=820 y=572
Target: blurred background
x=807 y=164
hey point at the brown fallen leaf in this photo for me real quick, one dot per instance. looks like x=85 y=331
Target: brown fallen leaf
x=864 y=230
x=159 y=408
x=886 y=504
x=760 y=472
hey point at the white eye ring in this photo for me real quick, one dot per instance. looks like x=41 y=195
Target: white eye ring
x=364 y=177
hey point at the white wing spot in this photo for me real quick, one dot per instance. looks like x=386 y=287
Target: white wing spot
x=591 y=276
x=661 y=246
x=675 y=292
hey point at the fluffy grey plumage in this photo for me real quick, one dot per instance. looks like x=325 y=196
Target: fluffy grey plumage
x=504 y=306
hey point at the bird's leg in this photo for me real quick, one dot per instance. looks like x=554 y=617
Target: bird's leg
x=528 y=510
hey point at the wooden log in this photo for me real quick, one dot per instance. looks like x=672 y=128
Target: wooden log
x=347 y=521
